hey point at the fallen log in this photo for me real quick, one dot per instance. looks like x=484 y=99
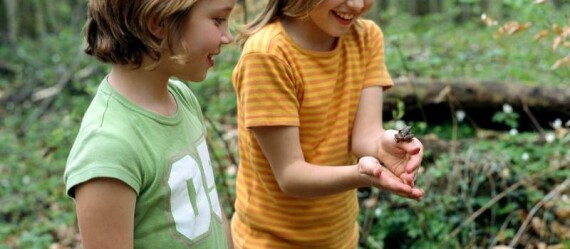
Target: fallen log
x=436 y=100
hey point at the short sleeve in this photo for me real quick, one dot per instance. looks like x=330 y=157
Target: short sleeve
x=98 y=155
x=266 y=91
x=376 y=72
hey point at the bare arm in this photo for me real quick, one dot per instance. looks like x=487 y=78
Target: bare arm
x=296 y=177
x=370 y=139
x=368 y=124
x=227 y=229
x=105 y=212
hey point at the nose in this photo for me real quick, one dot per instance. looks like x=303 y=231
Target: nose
x=227 y=37
x=355 y=5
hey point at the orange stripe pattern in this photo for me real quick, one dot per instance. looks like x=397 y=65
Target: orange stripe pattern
x=278 y=83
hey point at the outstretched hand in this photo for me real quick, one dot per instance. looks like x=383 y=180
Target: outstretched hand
x=403 y=159
x=380 y=177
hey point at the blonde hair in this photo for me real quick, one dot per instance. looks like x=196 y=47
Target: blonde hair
x=118 y=31
x=275 y=10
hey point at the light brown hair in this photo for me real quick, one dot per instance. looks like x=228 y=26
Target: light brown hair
x=119 y=31
x=275 y=10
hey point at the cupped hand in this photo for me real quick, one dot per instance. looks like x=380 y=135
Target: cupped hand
x=403 y=159
x=380 y=177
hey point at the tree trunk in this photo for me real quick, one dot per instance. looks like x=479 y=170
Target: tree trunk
x=12 y=21
x=434 y=100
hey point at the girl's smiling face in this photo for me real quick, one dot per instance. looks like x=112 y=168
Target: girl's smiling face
x=335 y=17
x=205 y=31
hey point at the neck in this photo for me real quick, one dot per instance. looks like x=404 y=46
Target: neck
x=308 y=35
x=147 y=89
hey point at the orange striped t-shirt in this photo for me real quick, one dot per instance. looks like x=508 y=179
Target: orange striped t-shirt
x=278 y=83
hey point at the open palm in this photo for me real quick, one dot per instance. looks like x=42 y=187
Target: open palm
x=402 y=159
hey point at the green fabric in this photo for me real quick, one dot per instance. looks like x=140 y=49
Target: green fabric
x=164 y=159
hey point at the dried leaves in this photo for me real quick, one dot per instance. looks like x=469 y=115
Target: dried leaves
x=560 y=35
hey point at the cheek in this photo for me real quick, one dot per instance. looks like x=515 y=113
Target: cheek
x=367 y=5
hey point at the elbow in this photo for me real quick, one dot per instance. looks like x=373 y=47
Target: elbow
x=288 y=187
x=358 y=149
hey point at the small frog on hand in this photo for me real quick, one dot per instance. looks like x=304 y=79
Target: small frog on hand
x=404 y=135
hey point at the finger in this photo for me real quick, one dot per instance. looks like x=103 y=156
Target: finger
x=396 y=186
x=417 y=194
x=370 y=166
x=414 y=162
x=413 y=147
x=408 y=178
x=399 y=187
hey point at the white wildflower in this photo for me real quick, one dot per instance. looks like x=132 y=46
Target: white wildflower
x=565 y=198
x=550 y=137
x=26 y=180
x=377 y=212
x=513 y=132
x=505 y=172
x=557 y=124
x=525 y=156
x=460 y=115
x=231 y=170
x=507 y=108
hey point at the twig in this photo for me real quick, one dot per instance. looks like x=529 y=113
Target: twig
x=487 y=206
x=503 y=227
x=500 y=196
x=228 y=199
x=556 y=191
x=532 y=118
x=373 y=243
x=369 y=217
x=49 y=96
x=231 y=156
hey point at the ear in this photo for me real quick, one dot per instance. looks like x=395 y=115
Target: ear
x=155 y=28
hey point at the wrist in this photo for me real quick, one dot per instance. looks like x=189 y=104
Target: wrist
x=366 y=170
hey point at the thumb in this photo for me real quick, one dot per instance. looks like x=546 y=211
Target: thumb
x=411 y=148
x=369 y=166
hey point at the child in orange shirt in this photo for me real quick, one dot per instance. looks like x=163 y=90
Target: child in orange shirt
x=309 y=86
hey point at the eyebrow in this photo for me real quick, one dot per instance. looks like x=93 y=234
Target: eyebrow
x=226 y=9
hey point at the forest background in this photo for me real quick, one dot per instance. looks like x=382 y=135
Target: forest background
x=483 y=83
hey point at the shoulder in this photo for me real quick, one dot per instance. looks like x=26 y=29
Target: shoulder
x=180 y=89
x=183 y=93
x=103 y=151
x=268 y=40
x=186 y=100
x=367 y=29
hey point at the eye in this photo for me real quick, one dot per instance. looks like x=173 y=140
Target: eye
x=220 y=20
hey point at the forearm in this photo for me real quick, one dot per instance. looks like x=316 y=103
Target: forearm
x=368 y=124
x=302 y=179
x=365 y=143
x=294 y=174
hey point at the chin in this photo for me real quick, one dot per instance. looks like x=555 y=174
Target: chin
x=193 y=78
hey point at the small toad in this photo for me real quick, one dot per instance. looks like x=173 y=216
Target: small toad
x=404 y=135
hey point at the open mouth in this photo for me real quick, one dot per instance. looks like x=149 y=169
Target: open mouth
x=211 y=60
x=343 y=18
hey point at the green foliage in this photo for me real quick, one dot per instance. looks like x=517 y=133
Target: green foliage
x=433 y=46
x=458 y=185
x=36 y=134
x=507 y=116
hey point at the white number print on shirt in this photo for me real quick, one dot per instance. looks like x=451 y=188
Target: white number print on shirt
x=193 y=215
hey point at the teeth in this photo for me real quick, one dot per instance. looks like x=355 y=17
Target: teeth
x=345 y=16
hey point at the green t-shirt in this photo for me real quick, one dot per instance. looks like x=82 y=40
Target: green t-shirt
x=164 y=159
